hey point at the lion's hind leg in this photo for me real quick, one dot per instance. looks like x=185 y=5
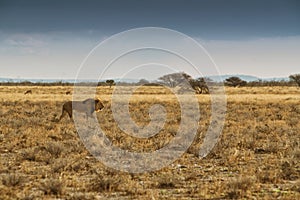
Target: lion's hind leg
x=63 y=113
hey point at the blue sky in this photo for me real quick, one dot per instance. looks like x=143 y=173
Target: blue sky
x=50 y=39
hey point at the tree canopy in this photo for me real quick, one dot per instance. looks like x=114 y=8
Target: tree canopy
x=296 y=78
x=186 y=81
x=235 y=81
x=110 y=82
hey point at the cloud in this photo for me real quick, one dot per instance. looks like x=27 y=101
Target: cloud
x=44 y=55
x=23 y=44
x=22 y=40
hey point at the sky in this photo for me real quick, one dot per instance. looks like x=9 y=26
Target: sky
x=51 y=39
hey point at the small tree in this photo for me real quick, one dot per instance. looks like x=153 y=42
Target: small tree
x=200 y=85
x=296 y=78
x=235 y=81
x=110 y=82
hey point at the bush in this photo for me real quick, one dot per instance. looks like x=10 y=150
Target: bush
x=52 y=186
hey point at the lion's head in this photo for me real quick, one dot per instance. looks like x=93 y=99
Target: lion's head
x=98 y=105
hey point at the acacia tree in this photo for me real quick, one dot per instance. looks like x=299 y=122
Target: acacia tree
x=110 y=82
x=200 y=85
x=173 y=80
x=235 y=81
x=202 y=82
x=185 y=81
x=296 y=78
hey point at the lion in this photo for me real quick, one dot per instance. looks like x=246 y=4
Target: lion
x=88 y=106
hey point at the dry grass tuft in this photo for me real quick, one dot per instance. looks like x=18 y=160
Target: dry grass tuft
x=12 y=180
x=52 y=187
x=238 y=188
x=105 y=183
x=54 y=148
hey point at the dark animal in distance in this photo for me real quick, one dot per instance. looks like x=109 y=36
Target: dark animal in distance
x=68 y=92
x=28 y=92
x=88 y=106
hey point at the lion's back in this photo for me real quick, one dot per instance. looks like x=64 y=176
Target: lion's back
x=80 y=106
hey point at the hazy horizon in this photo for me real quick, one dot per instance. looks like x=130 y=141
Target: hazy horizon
x=50 y=39
x=245 y=77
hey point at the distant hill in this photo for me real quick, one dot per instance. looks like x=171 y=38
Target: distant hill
x=243 y=77
x=19 y=80
x=247 y=78
x=6 y=80
x=276 y=79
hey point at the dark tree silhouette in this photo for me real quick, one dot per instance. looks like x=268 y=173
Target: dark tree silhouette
x=200 y=85
x=110 y=82
x=296 y=78
x=235 y=81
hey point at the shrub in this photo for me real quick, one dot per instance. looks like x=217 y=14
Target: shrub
x=11 y=180
x=52 y=186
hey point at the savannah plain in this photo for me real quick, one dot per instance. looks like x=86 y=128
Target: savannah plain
x=257 y=156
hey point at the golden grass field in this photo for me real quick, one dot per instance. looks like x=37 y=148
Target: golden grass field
x=257 y=156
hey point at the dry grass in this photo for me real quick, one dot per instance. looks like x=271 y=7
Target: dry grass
x=257 y=156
